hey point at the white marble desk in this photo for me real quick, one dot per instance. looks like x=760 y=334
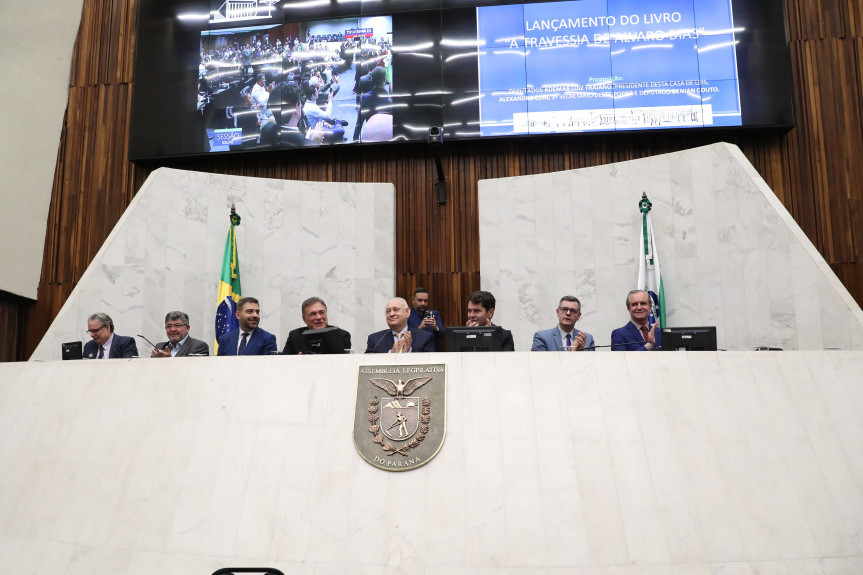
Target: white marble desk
x=610 y=463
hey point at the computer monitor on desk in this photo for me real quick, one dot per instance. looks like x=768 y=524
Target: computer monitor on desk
x=466 y=338
x=689 y=338
x=326 y=340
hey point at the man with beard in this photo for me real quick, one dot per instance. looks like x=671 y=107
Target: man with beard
x=426 y=319
x=249 y=339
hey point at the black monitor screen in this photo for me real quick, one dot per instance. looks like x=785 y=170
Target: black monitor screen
x=239 y=75
x=72 y=350
x=689 y=338
x=327 y=340
x=464 y=338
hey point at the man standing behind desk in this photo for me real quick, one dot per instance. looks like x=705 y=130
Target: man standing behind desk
x=638 y=334
x=398 y=338
x=249 y=339
x=315 y=317
x=564 y=336
x=480 y=310
x=179 y=343
x=106 y=344
x=426 y=319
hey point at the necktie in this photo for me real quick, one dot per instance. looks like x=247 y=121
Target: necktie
x=568 y=340
x=101 y=352
x=644 y=331
x=243 y=344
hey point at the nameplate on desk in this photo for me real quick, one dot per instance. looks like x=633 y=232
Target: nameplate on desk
x=400 y=417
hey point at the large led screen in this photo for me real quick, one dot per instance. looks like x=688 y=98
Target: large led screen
x=245 y=75
x=607 y=65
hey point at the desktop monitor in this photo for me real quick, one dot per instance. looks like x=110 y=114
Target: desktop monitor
x=466 y=338
x=324 y=341
x=72 y=350
x=689 y=338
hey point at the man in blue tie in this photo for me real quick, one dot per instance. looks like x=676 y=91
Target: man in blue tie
x=564 y=336
x=249 y=339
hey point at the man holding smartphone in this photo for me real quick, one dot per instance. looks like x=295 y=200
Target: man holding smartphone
x=426 y=319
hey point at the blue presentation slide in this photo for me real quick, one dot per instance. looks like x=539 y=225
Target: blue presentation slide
x=590 y=65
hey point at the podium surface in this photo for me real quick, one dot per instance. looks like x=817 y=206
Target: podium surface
x=625 y=463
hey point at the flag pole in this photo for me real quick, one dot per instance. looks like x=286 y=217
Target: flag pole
x=230 y=289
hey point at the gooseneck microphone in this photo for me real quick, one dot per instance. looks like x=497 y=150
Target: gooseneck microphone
x=147 y=340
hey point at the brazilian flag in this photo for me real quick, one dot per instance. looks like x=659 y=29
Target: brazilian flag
x=230 y=291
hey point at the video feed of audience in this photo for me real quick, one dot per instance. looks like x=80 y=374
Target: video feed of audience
x=296 y=84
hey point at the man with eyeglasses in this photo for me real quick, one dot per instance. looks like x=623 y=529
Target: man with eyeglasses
x=179 y=343
x=564 y=336
x=105 y=343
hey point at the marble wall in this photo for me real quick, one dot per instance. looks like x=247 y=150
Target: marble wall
x=734 y=463
x=730 y=254
x=296 y=239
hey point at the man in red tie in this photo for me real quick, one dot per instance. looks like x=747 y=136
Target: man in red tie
x=638 y=334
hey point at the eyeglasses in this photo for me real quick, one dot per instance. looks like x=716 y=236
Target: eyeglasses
x=97 y=329
x=568 y=310
x=174 y=325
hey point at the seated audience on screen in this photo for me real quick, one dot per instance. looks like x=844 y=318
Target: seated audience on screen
x=249 y=339
x=421 y=317
x=287 y=108
x=245 y=116
x=315 y=317
x=480 y=310
x=106 y=344
x=564 y=336
x=179 y=343
x=638 y=334
x=397 y=338
x=320 y=118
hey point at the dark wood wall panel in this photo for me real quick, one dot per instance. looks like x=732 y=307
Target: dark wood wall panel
x=814 y=169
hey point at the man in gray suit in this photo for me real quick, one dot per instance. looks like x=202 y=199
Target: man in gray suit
x=179 y=343
x=564 y=336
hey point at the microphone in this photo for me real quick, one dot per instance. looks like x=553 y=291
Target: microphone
x=639 y=342
x=147 y=340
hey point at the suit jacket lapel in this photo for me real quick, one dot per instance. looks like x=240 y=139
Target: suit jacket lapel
x=387 y=341
x=555 y=335
x=184 y=349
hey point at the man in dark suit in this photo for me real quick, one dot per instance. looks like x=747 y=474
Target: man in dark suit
x=315 y=317
x=249 y=339
x=179 y=343
x=564 y=336
x=105 y=343
x=638 y=334
x=426 y=319
x=480 y=310
x=398 y=338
